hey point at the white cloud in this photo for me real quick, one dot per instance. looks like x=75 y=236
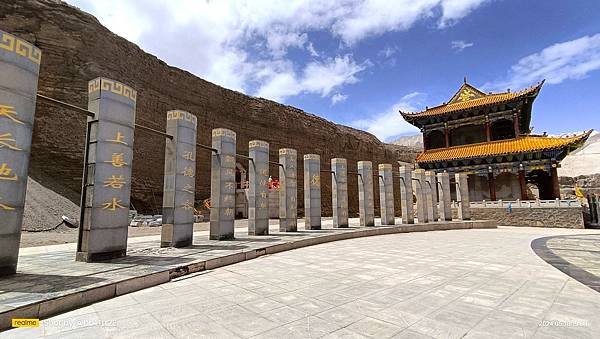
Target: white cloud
x=230 y=42
x=454 y=10
x=387 y=52
x=573 y=59
x=311 y=49
x=338 y=97
x=279 y=80
x=459 y=45
x=389 y=123
x=278 y=42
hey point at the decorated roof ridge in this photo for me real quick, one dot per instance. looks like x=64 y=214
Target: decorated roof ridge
x=466 y=88
x=522 y=144
x=467 y=102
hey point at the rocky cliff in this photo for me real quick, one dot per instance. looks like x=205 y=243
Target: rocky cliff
x=77 y=48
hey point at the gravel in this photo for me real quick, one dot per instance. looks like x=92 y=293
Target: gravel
x=44 y=208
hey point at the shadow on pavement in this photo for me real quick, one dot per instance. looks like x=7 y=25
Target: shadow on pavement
x=570 y=246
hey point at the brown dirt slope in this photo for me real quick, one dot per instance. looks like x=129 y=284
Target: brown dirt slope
x=77 y=48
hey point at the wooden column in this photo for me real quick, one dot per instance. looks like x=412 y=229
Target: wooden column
x=425 y=139
x=554 y=175
x=522 y=184
x=447 y=135
x=488 y=132
x=516 y=124
x=492 y=185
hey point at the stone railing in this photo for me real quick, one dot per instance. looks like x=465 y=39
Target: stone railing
x=525 y=203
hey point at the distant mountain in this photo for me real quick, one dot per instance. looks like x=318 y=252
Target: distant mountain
x=415 y=141
x=584 y=161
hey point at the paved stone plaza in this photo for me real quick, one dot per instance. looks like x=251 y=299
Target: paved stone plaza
x=479 y=283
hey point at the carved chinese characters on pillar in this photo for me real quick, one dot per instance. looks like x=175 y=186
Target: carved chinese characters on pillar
x=115 y=181
x=8 y=141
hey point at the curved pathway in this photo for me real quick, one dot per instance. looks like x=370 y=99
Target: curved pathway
x=486 y=283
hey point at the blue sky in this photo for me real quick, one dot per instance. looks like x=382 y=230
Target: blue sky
x=357 y=62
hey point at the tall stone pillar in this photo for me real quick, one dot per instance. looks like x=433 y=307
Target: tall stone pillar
x=406 y=195
x=222 y=185
x=419 y=188
x=339 y=192
x=258 y=192
x=19 y=70
x=386 y=194
x=462 y=196
x=179 y=183
x=107 y=187
x=288 y=190
x=433 y=195
x=312 y=192
x=366 y=206
x=444 y=196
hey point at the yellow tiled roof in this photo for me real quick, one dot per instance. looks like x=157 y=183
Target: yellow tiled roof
x=523 y=144
x=485 y=100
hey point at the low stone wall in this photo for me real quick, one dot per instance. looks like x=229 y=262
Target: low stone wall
x=562 y=217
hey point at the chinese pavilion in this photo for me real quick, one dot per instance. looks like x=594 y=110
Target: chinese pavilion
x=488 y=136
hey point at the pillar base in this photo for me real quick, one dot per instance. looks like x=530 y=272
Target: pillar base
x=259 y=232
x=222 y=237
x=178 y=244
x=101 y=256
x=8 y=270
x=312 y=227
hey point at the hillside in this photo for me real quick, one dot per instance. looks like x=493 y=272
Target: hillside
x=77 y=48
x=415 y=141
x=583 y=161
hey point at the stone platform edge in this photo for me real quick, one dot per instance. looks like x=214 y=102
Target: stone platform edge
x=72 y=301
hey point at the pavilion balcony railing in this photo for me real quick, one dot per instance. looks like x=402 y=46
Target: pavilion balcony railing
x=537 y=203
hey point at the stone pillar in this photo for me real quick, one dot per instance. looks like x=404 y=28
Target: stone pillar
x=462 y=196
x=419 y=188
x=288 y=190
x=366 y=208
x=433 y=195
x=386 y=194
x=258 y=192
x=222 y=185
x=406 y=195
x=444 y=196
x=597 y=206
x=180 y=180
x=339 y=192
x=19 y=69
x=312 y=192
x=107 y=187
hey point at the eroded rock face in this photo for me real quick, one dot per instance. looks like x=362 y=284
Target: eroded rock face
x=77 y=48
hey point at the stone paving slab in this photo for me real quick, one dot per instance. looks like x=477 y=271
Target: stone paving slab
x=49 y=281
x=480 y=283
x=575 y=255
